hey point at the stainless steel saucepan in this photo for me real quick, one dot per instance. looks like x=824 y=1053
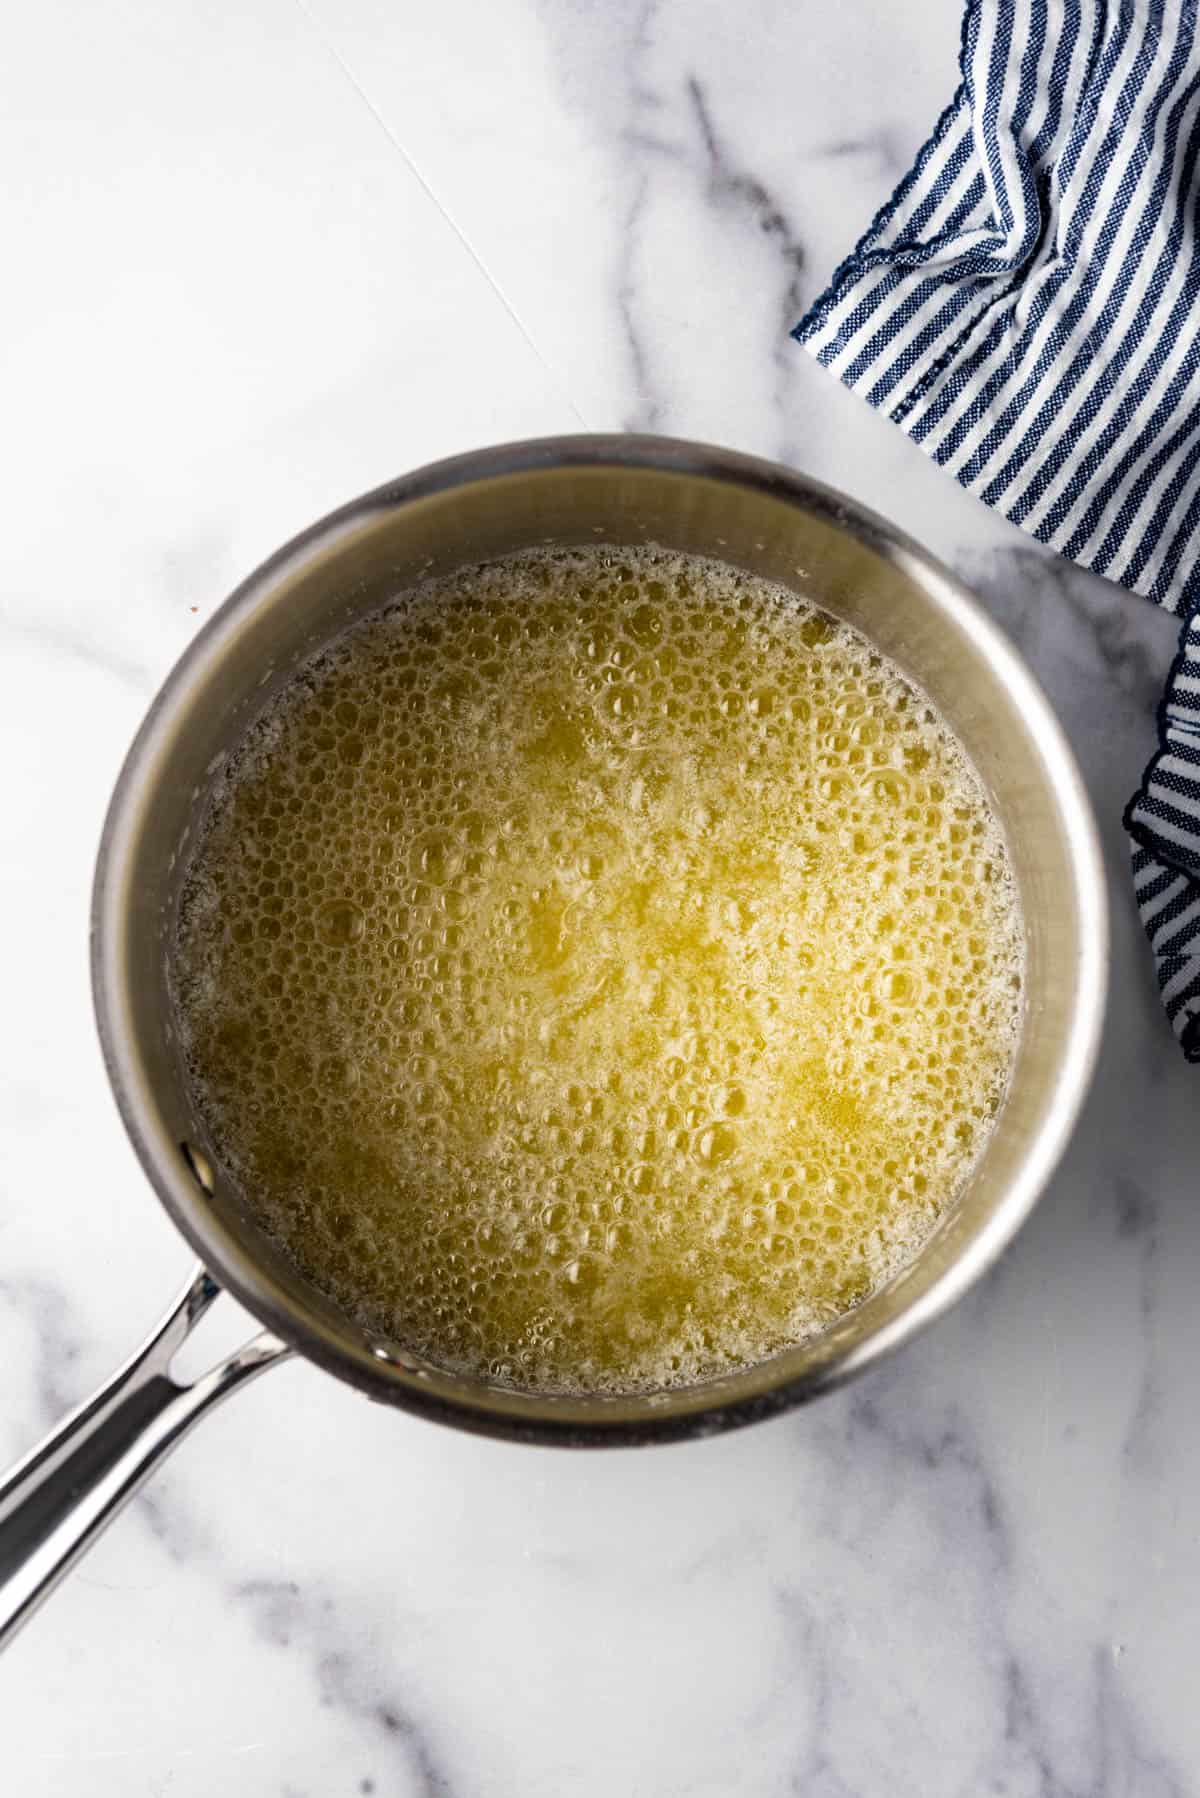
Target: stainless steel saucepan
x=572 y=490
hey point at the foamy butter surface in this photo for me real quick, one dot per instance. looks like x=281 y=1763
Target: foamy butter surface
x=599 y=970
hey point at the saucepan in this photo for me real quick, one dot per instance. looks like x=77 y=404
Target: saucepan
x=617 y=490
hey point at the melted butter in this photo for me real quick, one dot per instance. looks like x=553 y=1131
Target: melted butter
x=598 y=970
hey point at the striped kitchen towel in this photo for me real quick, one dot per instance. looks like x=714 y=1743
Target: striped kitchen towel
x=1027 y=307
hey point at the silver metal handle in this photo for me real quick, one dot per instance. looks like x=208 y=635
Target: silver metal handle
x=59 y=1498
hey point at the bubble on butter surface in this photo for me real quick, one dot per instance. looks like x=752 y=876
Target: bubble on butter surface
x=599 y=970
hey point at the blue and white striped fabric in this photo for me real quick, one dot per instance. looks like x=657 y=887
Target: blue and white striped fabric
x=1027 y=308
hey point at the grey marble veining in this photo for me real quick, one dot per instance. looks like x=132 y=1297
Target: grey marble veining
x=260 y=259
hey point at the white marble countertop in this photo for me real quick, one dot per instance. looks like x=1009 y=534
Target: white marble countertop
x=258 y=258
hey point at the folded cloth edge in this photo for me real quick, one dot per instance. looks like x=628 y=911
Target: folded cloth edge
x=1165 y=840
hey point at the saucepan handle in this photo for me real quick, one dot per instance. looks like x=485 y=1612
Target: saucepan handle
x=59 y=1498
